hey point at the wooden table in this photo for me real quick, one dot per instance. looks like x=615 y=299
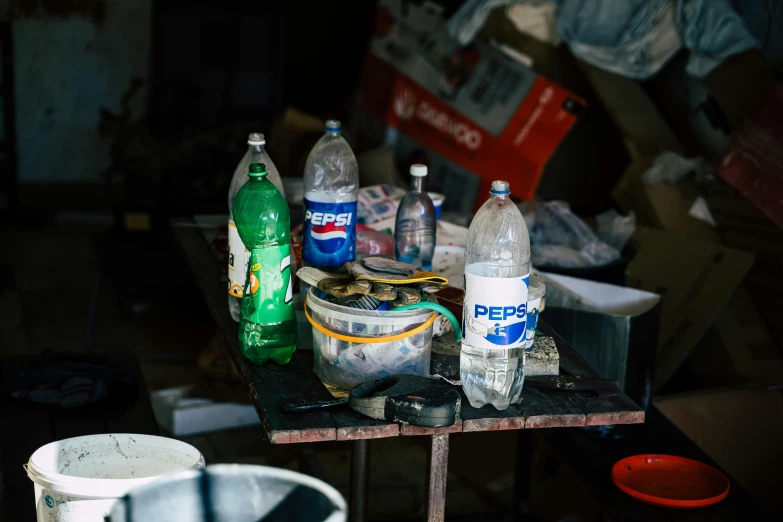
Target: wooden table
x=270 y=386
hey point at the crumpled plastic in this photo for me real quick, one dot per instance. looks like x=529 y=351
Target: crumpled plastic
x=670 y=167
x=615 y=229
x=373 y=243
x=632 y=38
x=559 y=238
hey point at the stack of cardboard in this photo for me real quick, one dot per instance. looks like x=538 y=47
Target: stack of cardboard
x=721 y=282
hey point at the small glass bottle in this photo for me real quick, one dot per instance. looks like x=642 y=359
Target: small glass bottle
x=415 y=227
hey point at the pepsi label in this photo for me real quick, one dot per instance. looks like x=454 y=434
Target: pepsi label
x=329 y=235
x=495 y=311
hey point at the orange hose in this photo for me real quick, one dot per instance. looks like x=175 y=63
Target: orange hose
x=368 y=340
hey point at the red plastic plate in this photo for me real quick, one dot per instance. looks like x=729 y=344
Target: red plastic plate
x=666 y=480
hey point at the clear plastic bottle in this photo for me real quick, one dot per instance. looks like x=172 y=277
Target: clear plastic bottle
x=237 y=255
x=415 y=226
x=331 y=189
x=497 y=266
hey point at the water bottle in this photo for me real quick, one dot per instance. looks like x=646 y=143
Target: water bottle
x=415 y=226
x=237 y=255
x=497 y=265
x=267 y=328
x=331 y=189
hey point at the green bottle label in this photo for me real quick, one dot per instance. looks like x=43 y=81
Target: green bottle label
x=269 y=285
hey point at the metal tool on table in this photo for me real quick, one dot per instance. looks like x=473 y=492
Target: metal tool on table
x=573 y=383
x=410 y=399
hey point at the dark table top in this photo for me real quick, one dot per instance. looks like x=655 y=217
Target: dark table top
x=270 y=386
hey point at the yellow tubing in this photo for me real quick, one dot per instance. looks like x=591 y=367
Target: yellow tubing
x=369 y=340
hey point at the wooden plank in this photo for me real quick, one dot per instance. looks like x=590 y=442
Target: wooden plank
x=353 y=426
x=271 y=385
x=597 y=411
x=350 y=424
x=601 y=411
x=488 y=418
x=548 y=409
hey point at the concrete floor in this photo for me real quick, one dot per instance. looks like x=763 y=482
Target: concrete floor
x=55 y=269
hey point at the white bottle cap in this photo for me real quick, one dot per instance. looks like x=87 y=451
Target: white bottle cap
x=499 y=187
x=256 y=138
x=418 y=170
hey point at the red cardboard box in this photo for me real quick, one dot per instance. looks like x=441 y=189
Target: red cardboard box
x=477 y=107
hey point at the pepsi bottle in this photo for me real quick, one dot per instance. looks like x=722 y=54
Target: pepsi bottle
x=497 y=268
x=331 y=189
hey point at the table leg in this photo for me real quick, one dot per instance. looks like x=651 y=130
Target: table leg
x=360 y=479
x=438 y=468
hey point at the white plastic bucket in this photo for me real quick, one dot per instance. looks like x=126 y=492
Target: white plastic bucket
x=345 y=364
x=78 y=480
x=235 y=492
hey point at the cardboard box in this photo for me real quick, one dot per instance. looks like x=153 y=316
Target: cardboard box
x=695 y=278
x=182 y=415
x=740 y=429
x=477 y=107
x=665 y=206
x=743 y=345
x=613 y=327
x=741 y=225
x=293 y=136
x=738 y=349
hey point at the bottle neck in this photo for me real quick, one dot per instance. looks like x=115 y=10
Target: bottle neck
x=498 y=196
x=333 y=134
x=257 y=149
x=417 y=183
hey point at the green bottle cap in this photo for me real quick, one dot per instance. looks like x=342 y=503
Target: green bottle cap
x=257 y=170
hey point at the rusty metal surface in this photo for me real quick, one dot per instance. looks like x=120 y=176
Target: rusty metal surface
x=437 y=473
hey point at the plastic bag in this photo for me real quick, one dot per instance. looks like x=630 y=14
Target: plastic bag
x=614 y=228
x=559 y=238
x=670 y=167
x=373 y=243
x=555 y=255
x=553 y=222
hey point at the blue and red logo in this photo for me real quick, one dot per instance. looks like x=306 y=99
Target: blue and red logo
x=329 y=233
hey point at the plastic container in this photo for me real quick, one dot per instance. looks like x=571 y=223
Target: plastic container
x=236 y=493
x=497 y=267
x=238 y=256
x=79 y=479
x=347 y=363
x=415 y=226
x=535 y=298
x=437 y=202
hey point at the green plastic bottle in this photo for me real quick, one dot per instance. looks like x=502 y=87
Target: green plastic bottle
x=267 y=328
